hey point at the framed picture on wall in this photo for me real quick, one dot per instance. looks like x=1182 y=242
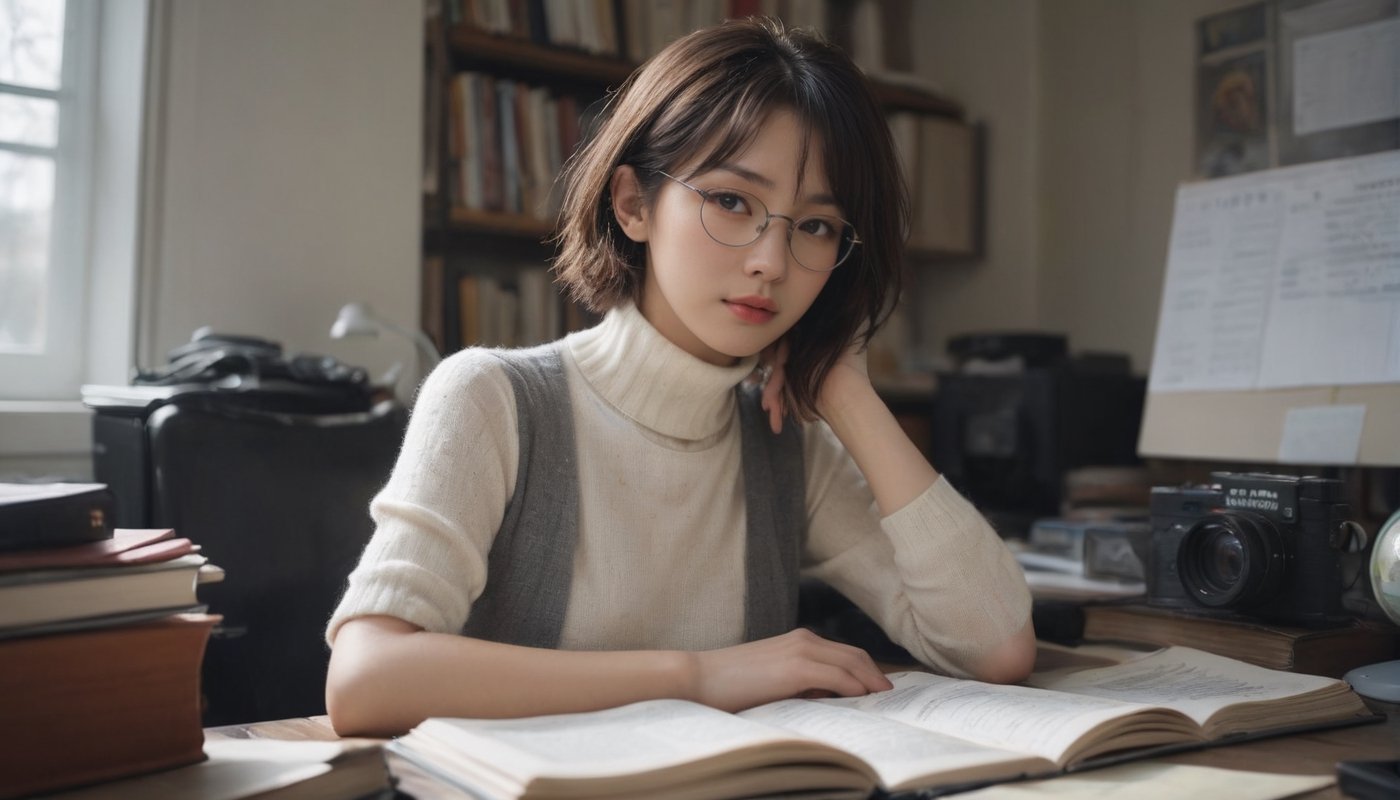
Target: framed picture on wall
x=1233 y=92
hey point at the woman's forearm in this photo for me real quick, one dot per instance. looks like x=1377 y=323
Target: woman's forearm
x=387 y=676
x=892 y=465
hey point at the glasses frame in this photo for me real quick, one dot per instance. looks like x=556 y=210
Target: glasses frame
x=768 y=219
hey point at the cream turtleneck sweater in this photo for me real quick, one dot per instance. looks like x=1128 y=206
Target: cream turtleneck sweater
x=660 y=557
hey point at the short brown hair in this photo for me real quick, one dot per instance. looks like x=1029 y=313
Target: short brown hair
x=718 y=85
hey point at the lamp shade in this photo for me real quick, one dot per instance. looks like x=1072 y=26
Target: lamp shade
x=354 y=319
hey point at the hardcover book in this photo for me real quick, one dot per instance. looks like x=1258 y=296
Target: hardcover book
x=54 y=514
x=1319 y=651
x=38 y=597
x=101 y=704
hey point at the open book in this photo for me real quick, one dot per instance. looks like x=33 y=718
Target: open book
x=927 y=731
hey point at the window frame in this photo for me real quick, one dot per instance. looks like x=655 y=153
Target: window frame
x=56 y=370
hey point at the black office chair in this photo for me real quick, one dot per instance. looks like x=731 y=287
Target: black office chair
x=280 y=502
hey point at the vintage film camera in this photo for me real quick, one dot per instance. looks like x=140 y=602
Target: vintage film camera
x=1271 y=547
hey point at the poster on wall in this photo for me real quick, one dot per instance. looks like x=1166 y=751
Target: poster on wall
x=1232 y=92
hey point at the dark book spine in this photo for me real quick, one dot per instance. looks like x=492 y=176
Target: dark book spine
x=75 y=518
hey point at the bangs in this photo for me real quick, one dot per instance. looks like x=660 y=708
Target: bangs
x=728 y=132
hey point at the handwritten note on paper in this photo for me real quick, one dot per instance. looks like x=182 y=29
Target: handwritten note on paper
x=1284 y=278
x=1322 y=435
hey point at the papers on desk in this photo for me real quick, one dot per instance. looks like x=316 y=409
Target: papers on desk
x=261 y=768
x=1284 y=278
x=1149 y=781
x=1053 y=577
x=1064 y=586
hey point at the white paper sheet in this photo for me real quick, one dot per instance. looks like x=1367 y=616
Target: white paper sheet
x=1322 y=434
x=1347 y=77
x=1284 y=278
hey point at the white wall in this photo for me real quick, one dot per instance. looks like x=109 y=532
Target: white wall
x=984 y=54
x=1089 y=105
x=281 y=182
x=288 y=183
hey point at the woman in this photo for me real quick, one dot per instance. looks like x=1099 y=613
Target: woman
x=608 y=518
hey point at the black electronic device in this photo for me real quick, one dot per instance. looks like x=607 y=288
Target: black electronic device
x=268 y=463
x=1007 y=439
x=1369 y=780
x=220 y=374
x=231 y=364
x=1274 y=547
x=1031 y=349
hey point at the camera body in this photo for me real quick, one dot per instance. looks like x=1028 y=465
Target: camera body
x=1265 y=546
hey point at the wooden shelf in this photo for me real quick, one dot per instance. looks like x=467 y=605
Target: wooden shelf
x=515 y=52
x=478 y=45
x=907 y=99
x=499 y=223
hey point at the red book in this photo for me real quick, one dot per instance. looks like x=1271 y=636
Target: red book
x=101 y=704
x=127 y=546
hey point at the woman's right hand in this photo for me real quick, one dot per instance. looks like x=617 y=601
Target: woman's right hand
x=793 y=664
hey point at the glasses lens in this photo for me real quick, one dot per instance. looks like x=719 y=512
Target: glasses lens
x=732 y=217
x=736 y=218
x=821 y=243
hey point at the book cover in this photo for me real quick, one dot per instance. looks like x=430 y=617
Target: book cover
x=127 y=546
x=486 y=113
x=101 y=704
x=35 y=597
x=54 y=514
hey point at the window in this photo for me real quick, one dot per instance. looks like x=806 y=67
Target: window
x=47 y=77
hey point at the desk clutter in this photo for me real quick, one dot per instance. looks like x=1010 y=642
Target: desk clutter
x=102 y=636
x=1269 y=569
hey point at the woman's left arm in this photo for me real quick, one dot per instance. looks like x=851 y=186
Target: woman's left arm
x=898 y=475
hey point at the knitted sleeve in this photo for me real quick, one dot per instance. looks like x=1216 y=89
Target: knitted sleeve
x=933 y=575
x=440 y=510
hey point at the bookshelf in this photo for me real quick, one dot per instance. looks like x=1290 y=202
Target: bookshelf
x=488 y=214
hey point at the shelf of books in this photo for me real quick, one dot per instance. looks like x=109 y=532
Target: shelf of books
x=511 y=89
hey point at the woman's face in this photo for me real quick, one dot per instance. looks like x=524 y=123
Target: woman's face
x=723 y=303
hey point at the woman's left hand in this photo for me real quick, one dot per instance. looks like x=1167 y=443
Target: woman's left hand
x=771 y=363
x=850 y=370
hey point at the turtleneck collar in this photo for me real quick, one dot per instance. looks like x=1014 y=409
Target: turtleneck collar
x=654 y=382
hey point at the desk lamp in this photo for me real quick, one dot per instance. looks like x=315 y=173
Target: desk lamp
x=356 y=319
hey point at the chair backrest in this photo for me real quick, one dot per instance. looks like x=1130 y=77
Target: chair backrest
x=280 y=502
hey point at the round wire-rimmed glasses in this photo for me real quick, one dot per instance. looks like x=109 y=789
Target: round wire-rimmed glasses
x=736 y=218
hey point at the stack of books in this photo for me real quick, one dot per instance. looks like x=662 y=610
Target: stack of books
x=101 y=643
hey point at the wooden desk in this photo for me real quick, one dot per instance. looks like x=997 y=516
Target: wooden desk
x=1314 y=753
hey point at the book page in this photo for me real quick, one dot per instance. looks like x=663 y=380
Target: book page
x=672 y=735
x=903 y=756
x=1051 y=725
x=1196 y=683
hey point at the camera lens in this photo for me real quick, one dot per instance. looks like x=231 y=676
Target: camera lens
x=1232 y=559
